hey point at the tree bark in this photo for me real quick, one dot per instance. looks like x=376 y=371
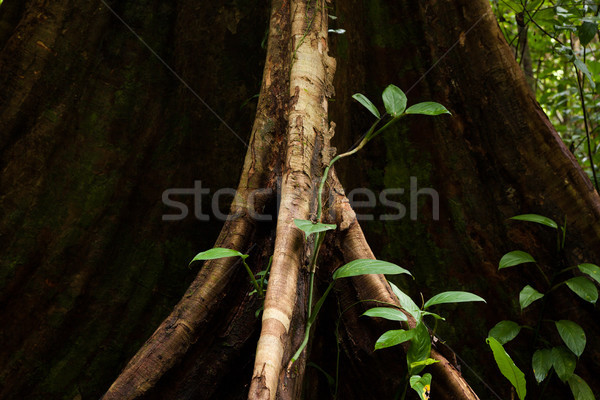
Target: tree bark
x=92 y=133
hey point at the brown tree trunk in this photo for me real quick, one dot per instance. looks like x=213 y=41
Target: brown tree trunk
x=92 y=133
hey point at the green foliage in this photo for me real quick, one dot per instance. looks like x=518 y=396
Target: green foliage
x=560 y=358
x=452 y=297
x=562 y=58
x=516 y=257
x=541 y=363
x=419 y=350
x=528 y=295
x=309 y=227
x=505 y=331
x=508 y=368
x=421 y=385
x=580 y=389
x=363 y=267
x=389 y=313
x=583 y=288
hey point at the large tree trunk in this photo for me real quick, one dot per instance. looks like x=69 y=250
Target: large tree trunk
x=92 y=133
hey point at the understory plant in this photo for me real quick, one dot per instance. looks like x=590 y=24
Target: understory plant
x=549 y=357
x=395 y=102
x=419 y=351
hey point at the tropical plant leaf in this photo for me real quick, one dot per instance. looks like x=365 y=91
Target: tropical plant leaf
x=309 y=227
x=539 y=219
x=513 y=258
x=393 y=338
x=584 y=288
x=421 y=385
x=528 y=295
x=406 y=302
x=508 y=368
x=572 y=334
x=580 y=389
x=452 y=297
x=367 y=266
x=584 y=69
x=217 y=252
x=541 y=362
x=586 y=32
x=394 y=100
x=592 y=270
x=505 y=331
x=420 y=348
x=563 y=362
x=426 y=362
x=362 y=99
x=389 y=313
x=427 y=108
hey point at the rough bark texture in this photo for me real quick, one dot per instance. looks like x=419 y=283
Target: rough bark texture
x=93 y=129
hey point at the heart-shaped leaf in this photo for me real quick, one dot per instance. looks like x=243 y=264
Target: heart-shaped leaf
x=584 y=288
x=573 y=336
x=393 y=338
x=541 y=362
x=505 y=331
x=580 y=389
x=592 y=270
x=394 y=100
x=421 y=385
x=563 y=362
x=528 y=295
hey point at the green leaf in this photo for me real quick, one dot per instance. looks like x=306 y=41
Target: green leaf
x=393 y=338
x=505 y=331
x=586 y=32
x=541 y=362
x=406 y=302
x=309 y=227
x=528 y=295
x=592 y=270
x=420 y=348
x=426 y=362
x=580 y=389
x=515 y=258
x=394 y=100
x=421 y=385
x=572 y=334
x=367 y=266
x=539 y=219
x=217 y=252
x=584 y=288
x=508 y=368
x=434 y=315
x=584 y=69
x=427 y=108
x=564 y=362
x=392 y=314
x=362 y=99
x=452 y=297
